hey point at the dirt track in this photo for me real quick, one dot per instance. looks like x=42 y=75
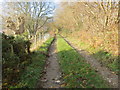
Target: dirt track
x=51 y=78
x=107 y=75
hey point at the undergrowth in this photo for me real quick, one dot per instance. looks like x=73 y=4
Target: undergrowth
x=33 y=72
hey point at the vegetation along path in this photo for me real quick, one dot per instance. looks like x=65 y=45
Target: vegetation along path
x=111 y=78
x=51 y=78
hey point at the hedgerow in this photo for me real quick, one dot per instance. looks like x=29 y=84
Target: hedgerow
x=15 y=57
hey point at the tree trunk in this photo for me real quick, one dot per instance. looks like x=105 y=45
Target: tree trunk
x=35 y=39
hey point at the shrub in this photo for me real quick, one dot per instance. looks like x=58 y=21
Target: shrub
x=15 y=56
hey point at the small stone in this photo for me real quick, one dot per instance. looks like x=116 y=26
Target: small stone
x=109 y=80
x=58 y=81
x=44 y=80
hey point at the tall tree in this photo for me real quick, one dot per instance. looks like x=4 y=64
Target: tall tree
x=36 y=15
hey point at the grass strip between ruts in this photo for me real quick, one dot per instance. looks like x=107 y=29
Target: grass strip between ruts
x=76 y=72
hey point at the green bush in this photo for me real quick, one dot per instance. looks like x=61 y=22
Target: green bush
x=15 y=56
x=33 y=71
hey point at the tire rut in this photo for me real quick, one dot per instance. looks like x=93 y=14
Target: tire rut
x=107 y=75
x=52 y=76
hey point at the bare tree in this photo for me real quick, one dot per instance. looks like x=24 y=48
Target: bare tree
x=36 y=15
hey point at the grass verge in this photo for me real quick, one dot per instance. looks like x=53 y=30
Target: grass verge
x=104 y=57
x=76 y=72
x=34 y=70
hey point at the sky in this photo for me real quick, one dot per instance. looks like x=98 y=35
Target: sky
x=3 y=6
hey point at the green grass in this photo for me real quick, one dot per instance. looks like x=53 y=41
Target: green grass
x=108 y=60
x=34 y=70
x=45 y=46
x=77 y=73
x=104 y=57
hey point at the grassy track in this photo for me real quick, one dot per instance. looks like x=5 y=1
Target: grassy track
x=77 y=73
x=104 y=57
x=34 y=71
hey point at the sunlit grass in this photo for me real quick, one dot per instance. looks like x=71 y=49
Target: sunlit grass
x=77 y=73
x=106 y=58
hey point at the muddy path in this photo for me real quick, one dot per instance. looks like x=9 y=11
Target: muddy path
x=107 y=75
x=52 y=76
